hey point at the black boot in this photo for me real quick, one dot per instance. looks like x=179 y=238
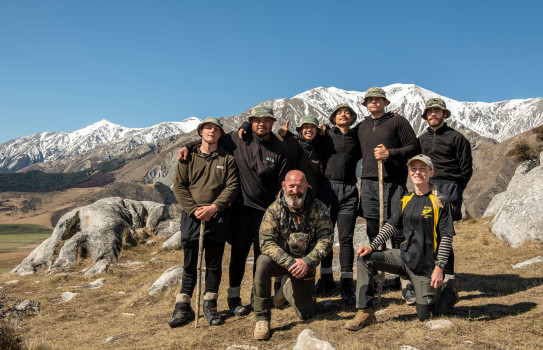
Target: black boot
x=325 y=284
x=182 y=314
x=234 y=304
x=447 y=299
x=211 y=314
x=347 y=295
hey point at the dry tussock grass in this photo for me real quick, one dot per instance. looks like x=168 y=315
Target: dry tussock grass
x=499 y=308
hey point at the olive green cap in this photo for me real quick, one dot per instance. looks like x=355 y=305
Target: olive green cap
x=375 y=92
x=260 y=112
x=308 y=119
x=436 y=102
x=210 y=120
x=338 y=107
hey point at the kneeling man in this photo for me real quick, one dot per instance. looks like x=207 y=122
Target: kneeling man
x=294 y=237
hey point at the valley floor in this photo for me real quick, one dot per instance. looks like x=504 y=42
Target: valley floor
x=499 y=307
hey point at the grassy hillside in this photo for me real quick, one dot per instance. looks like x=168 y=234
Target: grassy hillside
x=14 y=236
x=499 y=308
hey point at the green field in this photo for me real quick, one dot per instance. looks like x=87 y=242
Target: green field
x=14 y=236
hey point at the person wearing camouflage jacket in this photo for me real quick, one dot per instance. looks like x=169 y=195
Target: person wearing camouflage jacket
x=294 y=238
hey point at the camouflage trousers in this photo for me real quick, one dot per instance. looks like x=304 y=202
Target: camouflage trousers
x=302 y=297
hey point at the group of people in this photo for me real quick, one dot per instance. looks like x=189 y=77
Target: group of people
x=284 y=194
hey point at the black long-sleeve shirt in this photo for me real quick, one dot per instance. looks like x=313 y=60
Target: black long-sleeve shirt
x=397 y=135
x=450 y=152
x=344 y=154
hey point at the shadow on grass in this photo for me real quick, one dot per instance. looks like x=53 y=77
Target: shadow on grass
x=491 y=286
x=490 y=312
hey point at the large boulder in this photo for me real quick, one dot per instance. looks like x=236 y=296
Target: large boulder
x=99 y=230
x=517 y=211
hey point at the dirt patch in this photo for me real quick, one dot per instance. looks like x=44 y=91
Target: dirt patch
x=15 y=257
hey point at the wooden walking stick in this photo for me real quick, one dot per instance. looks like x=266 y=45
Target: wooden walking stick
x=199 y=271
x=381 y=282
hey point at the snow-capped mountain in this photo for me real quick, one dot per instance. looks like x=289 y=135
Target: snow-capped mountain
x=49 y=146
x=478 y=120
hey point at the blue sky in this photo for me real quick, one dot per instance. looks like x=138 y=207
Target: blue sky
x=68 y=64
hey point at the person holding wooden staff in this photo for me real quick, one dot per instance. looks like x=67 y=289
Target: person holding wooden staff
x=386 y=137
x=205 y=185
x=426 y=222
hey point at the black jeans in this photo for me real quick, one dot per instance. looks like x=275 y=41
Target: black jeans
x=213 y=252
x=245 y=226
x=344 y=201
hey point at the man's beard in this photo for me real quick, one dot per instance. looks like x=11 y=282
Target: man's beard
x=295 y=201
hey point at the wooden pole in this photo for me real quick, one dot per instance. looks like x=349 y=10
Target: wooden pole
x=199 y=272
x=381 y=283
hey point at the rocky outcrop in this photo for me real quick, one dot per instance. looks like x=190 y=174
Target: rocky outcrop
x=99 y=231
x=518 y=210
x=307 y=340
x=170 y=277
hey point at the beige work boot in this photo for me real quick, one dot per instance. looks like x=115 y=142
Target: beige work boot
x=363 y=318
x=262 y=330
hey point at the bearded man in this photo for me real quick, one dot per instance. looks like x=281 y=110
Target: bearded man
x=294 y=238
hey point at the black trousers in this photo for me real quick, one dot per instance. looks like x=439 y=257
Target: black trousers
x=344 y=201
x=245 y=227
x=213 y=253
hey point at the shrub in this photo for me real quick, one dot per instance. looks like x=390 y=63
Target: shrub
x=522 y=151
x=539 y=133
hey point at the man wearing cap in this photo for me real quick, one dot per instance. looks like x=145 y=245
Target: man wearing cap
x=294 y=237
x=450 y=152
x=262 y=163
x=390 y=138
x=338 y=190
x=205 y=185
x=425 y=220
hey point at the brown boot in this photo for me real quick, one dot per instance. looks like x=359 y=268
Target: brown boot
x=363 y=318
x=262 y=330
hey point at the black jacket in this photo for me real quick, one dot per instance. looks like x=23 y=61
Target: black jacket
x=450 y=152
x=262 y=165
x=397 y=135
x=308 y=157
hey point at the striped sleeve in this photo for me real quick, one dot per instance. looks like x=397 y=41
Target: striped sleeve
x=444 y=249
x=384 y=235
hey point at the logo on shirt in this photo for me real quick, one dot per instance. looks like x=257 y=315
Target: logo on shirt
x=220 y=167
x=426 y=212
x=270 y=159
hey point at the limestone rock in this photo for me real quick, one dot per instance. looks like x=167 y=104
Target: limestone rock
x=536 y=260
x=168 y=228
x=66 y=296
x=171 y=277
x=408 y=347
x=440 y=324
x=174 y=242
x=307 y=340
x=96 y=284
x=99 y=231
x=241 y=347
x=110 y=339
x=518 y=210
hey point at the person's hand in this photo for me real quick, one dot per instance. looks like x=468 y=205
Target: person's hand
x=437 y=277
x=363 y=251
x=298 y=269
x=323 y=128
x=283 y=130
x=183 y=153
x=241 y=132
x=205 y=213
x=380 y=152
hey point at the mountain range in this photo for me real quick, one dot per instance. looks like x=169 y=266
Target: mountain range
x=65 y=152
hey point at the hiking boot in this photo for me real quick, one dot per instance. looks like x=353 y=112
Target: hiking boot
x=234 y=304
x=347 y=295
x=211 y=314
x=448 y=298
x=363 y=318
x=325 y=284
x=279 y=299
x=408 y=294
x=182 y=314
x=262 y=330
